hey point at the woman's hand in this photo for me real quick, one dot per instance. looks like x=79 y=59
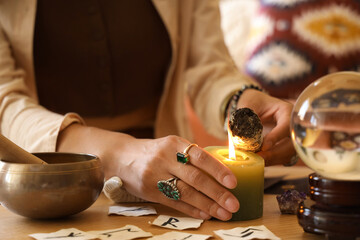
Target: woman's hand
x=141 y=163
x=275 y=116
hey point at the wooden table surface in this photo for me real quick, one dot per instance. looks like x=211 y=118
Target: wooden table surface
x=17 y=227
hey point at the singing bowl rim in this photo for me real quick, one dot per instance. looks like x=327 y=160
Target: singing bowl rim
x=89 y=161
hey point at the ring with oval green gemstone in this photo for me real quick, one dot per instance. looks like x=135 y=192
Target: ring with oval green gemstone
x=184 y=157
x=169 y=189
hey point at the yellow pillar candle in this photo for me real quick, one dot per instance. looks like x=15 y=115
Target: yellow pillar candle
x=249 y=171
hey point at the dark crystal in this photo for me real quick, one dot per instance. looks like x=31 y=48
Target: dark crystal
x=289 y=201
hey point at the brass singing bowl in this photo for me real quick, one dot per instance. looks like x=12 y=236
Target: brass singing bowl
x=68 y=184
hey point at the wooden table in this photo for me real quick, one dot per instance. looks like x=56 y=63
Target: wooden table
x=15 y=227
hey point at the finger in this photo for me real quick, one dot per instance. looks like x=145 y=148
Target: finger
x=280 y=131
x=198 y=205
x=184 y=208
x=202 y=202
x=206 y=162
x=281 y=153
x=204 y=184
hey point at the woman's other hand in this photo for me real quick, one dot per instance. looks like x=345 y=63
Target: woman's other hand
x=141 y=163
x=275 y=116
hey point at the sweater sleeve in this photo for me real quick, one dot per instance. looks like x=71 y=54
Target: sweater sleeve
x=211 y=74
x=22 y=119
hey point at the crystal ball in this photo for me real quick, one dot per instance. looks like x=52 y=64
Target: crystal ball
x=325 y=126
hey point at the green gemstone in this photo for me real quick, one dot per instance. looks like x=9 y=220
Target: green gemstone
x=175 y=196
x=182 y=157
x=168 y=190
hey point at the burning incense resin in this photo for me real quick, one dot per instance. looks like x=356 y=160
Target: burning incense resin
x=246 y=129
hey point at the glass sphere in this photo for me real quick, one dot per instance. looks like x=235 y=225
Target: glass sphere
x=325 y=126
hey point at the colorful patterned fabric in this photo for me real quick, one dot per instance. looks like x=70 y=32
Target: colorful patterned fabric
x=294 y=42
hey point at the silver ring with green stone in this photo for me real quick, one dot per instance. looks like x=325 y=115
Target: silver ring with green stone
x=184 y=157
x=169 y=189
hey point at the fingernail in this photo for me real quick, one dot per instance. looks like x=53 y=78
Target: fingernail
x=204 y=215
x=223 y=214
x=232 y=204
x=229 y=181
x=267 y=145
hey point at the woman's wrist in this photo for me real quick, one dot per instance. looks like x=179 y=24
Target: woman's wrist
x=65 y=138
x=225 y=105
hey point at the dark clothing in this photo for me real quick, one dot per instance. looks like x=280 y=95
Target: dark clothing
x=99 y=57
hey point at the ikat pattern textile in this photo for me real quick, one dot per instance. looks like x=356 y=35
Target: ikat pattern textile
x=294 y=42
